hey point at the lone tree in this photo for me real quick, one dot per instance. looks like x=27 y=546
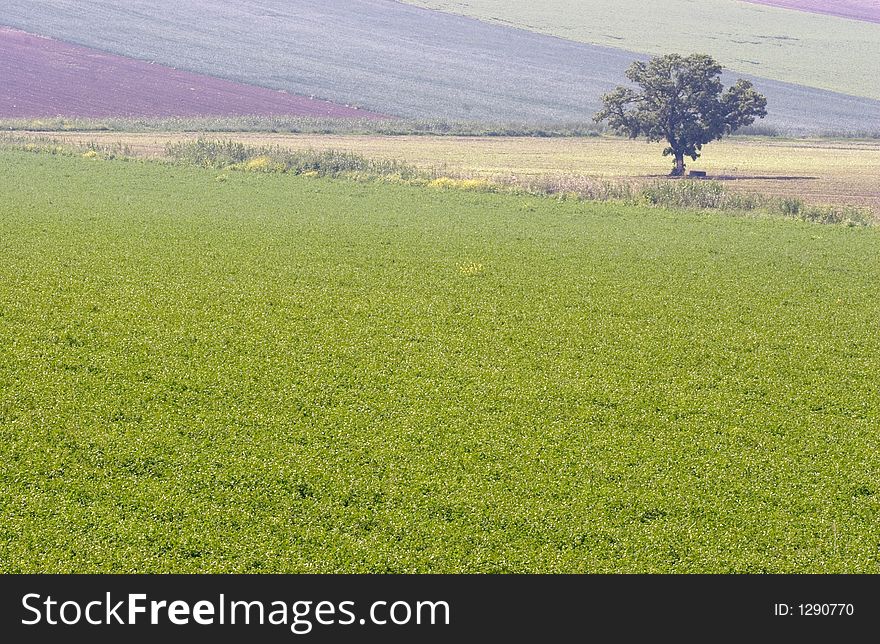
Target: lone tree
x=680 y=101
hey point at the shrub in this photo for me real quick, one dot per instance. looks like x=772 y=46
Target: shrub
x=238 y=156
x=849 y=215
x=697 y=194
x=573 y=186
x=791 y=206
x=450 y=183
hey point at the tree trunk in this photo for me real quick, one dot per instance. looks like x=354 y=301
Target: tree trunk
x=678 y=170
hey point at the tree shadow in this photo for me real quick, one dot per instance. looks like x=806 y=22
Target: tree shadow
x=736 y=177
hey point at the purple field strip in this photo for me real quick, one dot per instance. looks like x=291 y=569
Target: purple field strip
x=865 y=10
x=44 y=78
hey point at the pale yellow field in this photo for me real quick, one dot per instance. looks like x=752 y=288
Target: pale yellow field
x=819 y=171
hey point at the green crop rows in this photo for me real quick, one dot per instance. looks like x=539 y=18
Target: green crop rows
x=274 y=373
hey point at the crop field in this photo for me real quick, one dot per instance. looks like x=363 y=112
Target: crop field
x=853 y=9
x=793 y=46
x=819 y=171
x=402 y=60
x=84 y=82
x=205 y=372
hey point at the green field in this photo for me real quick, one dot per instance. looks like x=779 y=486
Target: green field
x=261 y=373
x=804 y=48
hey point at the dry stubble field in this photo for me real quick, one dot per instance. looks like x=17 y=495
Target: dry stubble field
x=820 y=171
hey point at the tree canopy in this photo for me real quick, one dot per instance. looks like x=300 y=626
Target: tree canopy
x=680 y=100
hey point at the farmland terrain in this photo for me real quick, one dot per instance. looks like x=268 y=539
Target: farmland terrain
x=819 y=171
x=425 y=316
x=403 y=60
x=854 y=9
x=45 y=77
x=794 y=46
x=205 y=372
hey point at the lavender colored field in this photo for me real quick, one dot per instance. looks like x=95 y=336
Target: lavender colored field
x=855 y=9
x=44 y=77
